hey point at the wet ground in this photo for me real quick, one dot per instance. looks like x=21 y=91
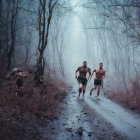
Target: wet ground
x=91 y=119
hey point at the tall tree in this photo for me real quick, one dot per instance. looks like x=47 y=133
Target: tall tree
x=45 y=10
x=13 y=30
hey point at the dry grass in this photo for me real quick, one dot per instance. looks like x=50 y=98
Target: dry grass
x=129 y=100
x=30 y=109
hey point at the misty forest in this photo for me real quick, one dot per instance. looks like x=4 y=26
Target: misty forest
x=42 y=43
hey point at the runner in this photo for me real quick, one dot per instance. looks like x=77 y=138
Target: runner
x=19 y=76
x=98 y=81
x=82 y=80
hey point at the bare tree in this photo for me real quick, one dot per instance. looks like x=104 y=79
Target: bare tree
x=43 y=26
x=28 y=45
x=13 y=30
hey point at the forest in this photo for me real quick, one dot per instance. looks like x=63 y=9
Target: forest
x=47 y=40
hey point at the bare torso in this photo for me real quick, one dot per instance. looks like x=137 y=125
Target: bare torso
x=83 y=71
x=99 y=73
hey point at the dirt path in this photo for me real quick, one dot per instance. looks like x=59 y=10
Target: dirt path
x=88 y=119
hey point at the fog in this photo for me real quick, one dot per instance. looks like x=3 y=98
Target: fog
x=85 y=34
x=90 y=36
x=79 y=43
x=95 y=31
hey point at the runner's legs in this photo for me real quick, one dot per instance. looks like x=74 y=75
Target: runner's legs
x=93 y=89
x=80 y=89
x=98 y=91
x=17 y=90
x=84 y=89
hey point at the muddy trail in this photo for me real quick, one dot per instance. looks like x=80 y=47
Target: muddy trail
x=91 y=119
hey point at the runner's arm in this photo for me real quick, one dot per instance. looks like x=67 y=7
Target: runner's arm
x=27 y=76
x=24 y=75
x=89 y=71
x=76 y=72
x=92 y=73
x=104 y=76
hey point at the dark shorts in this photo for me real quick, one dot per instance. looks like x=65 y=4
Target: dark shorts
x=82 y=81
x=97 y=82
x=19 y=83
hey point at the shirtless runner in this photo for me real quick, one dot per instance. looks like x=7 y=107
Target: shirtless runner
x=82 y=80
x=100 y=75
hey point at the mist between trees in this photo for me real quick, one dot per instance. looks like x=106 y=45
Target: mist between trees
x=56 y=36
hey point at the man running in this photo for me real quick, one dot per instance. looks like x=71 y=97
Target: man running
x=82 y=80
x=19 y=77
x=100 y=75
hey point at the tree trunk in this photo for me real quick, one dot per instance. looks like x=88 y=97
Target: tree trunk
x=43 y=37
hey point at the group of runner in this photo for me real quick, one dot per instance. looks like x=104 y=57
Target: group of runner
x=82 y=79
x=19 y=74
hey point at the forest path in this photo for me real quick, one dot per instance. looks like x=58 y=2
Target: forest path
x=89 y=119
